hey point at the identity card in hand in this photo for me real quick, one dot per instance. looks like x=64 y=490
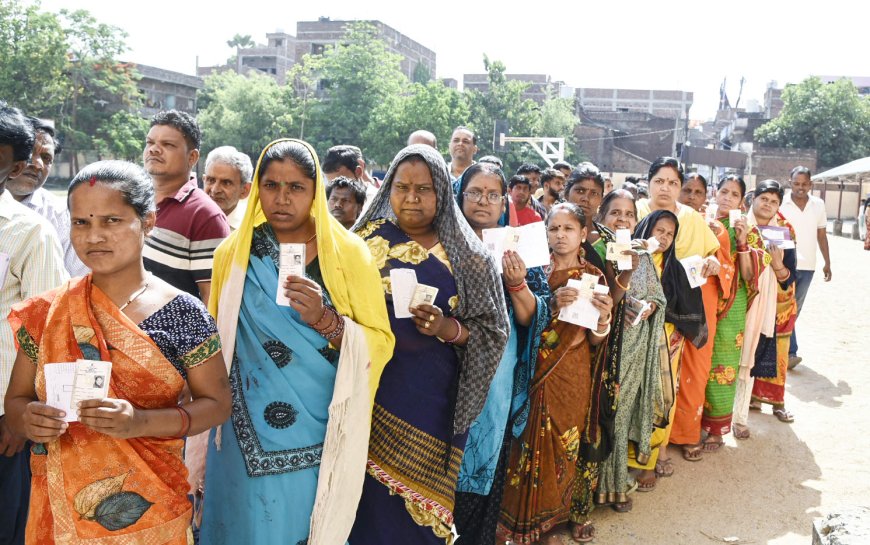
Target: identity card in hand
x=581 y=312
x=780 y=236
x=693 y=265
x=292 y=263
x=91 y=380
x=638 y=306
x=68 y=383
x=424 y=295
x=403 y=284
x=530 y=241
x=615 y=249
x=733 y=216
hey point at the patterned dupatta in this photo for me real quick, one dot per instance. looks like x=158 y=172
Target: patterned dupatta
x=87 y=485
x=760 y=260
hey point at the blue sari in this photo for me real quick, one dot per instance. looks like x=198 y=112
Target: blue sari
x=261 y=483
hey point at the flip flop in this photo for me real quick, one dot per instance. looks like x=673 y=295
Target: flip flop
x=741 y=432
x=664 y=468
x=755 y=406
x=713 y=446
x=583 y=533
x=693 y=453
x=783 y=416
x=647 y=485
x=623 y=507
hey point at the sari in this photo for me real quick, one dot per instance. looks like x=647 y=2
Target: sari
x=543 y=466
x=641 y=391
x=728 y=342
x=769 y=384
x=89 y=486
x=431 y=391
x=288 y=466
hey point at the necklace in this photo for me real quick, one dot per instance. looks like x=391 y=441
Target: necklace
x=134 y=297
x=312 y=238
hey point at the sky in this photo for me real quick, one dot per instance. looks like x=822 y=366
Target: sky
x=679 y=44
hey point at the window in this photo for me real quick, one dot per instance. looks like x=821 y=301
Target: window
x=317 y=49
x=279 y=43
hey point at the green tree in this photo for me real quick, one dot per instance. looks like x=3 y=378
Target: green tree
x=433 y=107
x=558 y=120
x=33 y=52
x=123 y=136
x=832 y=118
x=240 y=40
x=357 y=75
x=303 y=81
x=247 y=112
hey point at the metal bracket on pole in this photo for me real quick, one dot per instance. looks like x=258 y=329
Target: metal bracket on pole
x=550 y=149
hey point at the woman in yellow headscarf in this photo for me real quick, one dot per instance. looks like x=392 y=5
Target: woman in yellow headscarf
x=303 y=376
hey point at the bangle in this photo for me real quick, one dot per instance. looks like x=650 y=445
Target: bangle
x=458 y=329
x=339 y=329
x=519 y=287
x=322 y=316
x=742 y=251
x=333 y=315
x=624 y=288
x=604 y=333
x=742 y=247
x=185 y=422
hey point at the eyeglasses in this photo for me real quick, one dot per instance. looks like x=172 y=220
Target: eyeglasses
x=476 y=196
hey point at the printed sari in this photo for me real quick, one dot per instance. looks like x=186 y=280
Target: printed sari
x=86 y=485
x=543 y=466
x=769 y=384
x=728 y=342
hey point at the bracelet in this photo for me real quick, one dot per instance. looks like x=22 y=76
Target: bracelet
x=322 y=315
x=742 y=248
x=333 y=315
x=185 y=422
x=742 y=251
x=604 y=333
x=339 y=329
x=459 y=329
x=519 y=287
x=624 y=288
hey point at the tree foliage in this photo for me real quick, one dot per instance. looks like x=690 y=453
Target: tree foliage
x=247 y=112
x=832 y=118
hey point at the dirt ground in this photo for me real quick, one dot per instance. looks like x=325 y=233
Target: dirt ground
x=770 y=488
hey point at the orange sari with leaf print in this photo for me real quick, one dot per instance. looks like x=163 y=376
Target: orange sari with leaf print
x=88 y=487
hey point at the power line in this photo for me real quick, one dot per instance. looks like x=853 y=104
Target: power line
x=629 y=135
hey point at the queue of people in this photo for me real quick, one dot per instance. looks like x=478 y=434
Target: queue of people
x=253 y=402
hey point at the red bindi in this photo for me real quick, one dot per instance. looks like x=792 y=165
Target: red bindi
x=92 y=181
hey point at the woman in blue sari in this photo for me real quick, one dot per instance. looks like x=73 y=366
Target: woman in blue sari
x=483 y=201
x=288 y=466
x=436 y=383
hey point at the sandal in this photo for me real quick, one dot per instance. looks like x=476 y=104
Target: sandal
x=714 y=445
x=755 y=406
x=741 y=431
x=583 y=533
x=623 y=507
x=647 y=485
x=783 y=416
x=664 y=468
x=693 y=453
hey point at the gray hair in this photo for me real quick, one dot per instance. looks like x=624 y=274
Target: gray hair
x=233 y=157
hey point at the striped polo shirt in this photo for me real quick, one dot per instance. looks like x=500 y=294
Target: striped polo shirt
x=181 y=247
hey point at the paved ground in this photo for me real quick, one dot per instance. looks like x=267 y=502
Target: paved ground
x=769 y=488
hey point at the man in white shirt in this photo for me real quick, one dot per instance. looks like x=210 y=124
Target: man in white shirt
x=807 y=215
x=227 y=180
x=28 y=189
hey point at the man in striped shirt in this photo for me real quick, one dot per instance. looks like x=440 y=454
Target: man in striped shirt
x=31 y=262
x=189 y=224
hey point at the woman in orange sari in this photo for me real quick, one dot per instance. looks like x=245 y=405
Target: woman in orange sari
x=113 y=472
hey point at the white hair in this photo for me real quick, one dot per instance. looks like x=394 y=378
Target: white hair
x=233 y=157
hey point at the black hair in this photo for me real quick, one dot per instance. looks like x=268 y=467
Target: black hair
x=130 y=180
x=562 y=164
x=482 y=168
x=695 y=176
x=518 y=179
x=609 y=198
x=551 y=173
x=343 y=182
x=770 y=186
x=466 y=129
x=295 y=152
x=631 y=180
x=800 y=170
x=631 y=187
x=584 y=171
x=528 y=168
x=571 y=208
x=15 y=131
x=342 y=156
x=183 y=122
x=733 y=178
x=492 y=159
x=47 y=128
x=663 y=162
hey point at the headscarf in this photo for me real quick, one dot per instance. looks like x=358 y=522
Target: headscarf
x=685 y=307
x=482 y=308
x=346 y=265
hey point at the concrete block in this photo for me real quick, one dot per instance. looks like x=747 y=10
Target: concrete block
x=847 y=526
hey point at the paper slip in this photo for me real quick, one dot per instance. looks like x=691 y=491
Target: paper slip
x=693 y=265
x=639 y=306
x=712 y=211
x=734 y=215
x=652 y=244
x=424 y=295
x=581 y=312
x=292 y=263
x=66 y=384
x=403 y=283
x=780 y=236
x=530 y=241
x=615 y=249
x=4 y=267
